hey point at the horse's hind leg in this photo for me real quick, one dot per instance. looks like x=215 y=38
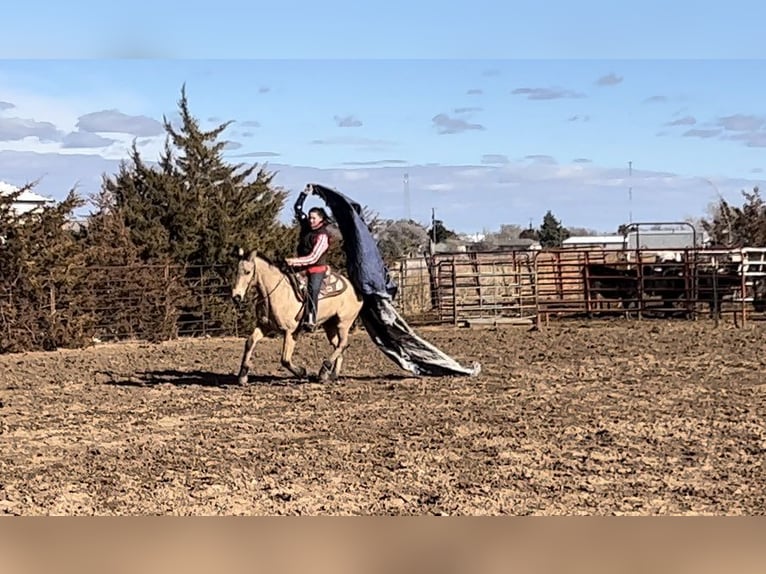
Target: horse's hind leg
x=328 y=368
x=338 y=336
x=288 y=346
x=247 y=356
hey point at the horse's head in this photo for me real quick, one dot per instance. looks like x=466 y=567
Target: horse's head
x=245 y=274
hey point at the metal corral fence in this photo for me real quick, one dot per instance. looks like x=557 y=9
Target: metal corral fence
x=196 y=299
x=534 y=286
x=484 y=285
x=416 y=297
x=587 y=282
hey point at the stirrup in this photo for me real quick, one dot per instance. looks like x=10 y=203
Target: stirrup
x=308 y=323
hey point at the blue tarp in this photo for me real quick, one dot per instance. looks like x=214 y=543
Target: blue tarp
x=370 y=276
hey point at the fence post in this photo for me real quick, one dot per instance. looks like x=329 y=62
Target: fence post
x=640 y=275
x=536 y=291
x=745 y=267
x=586 y=286
x=454 y=293
x=204 y=299
x=402 y=298
x=715 y=291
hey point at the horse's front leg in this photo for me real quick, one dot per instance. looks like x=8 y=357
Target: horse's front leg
x=288 y=346
x=247 y=356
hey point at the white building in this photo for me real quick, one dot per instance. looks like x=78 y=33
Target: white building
x=664 y=239
x=27 y=201
x=594 y=242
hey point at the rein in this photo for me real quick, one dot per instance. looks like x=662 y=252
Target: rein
x=266 y=297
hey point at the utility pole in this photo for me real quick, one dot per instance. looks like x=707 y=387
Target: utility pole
x=630 y=192
x=433 y=225
x=407 y=206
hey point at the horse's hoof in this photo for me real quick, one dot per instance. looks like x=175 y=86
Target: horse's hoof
x=300 y=372
x=242 y=380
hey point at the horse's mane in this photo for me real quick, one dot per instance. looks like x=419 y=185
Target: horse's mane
x=270 y=261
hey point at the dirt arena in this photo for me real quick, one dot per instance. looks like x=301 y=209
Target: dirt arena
x=597 y=418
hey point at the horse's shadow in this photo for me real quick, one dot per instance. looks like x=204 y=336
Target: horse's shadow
x=222 y=380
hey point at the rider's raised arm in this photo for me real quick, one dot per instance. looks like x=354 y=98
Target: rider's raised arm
x=300 y=215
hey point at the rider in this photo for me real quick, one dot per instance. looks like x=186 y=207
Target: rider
x=313 y=244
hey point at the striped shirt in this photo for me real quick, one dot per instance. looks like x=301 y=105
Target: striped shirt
x=320 y=246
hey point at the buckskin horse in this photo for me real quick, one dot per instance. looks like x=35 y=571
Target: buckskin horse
x=280 y=295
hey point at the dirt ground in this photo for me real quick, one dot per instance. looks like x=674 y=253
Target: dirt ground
x=597 y=418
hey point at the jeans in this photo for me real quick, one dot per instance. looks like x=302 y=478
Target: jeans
x=312 y=299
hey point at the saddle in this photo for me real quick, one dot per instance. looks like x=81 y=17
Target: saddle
x=333 y=284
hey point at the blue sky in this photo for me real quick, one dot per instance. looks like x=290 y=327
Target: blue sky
x=495 y=114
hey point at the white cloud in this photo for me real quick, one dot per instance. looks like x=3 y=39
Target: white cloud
x=354 y=175
x=741 y=122
x=684 y=121
x=85 y=140
x=495 y=158
x=610 y=79
x=702 y=133
x=471 y=172
x=440 y=187
x=448 y=125
x=257 y=154
x=353 y=141
x=554 y=93
x=58 y=111
x=15 y=129
x=347 y=121
x=468 y=198
x=114 y=121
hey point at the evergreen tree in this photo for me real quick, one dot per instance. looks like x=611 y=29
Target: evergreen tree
x=440 y=232
x=552 y=233
x=37 y=287
x=530 y=233
x=191 y=209
x=194 y=208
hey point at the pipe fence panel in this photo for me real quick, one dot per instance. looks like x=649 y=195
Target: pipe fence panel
x=160 y=302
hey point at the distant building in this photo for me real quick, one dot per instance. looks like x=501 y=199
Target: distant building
x=663 y=239
x=452 y=245
x=27 y=201
x=472 y=237
x=516 y=244
x=594 y=242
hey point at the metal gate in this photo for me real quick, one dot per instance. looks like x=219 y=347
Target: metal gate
x=485 y=286
x=753 y=271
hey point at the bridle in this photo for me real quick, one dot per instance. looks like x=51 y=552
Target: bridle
x=261 y=297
